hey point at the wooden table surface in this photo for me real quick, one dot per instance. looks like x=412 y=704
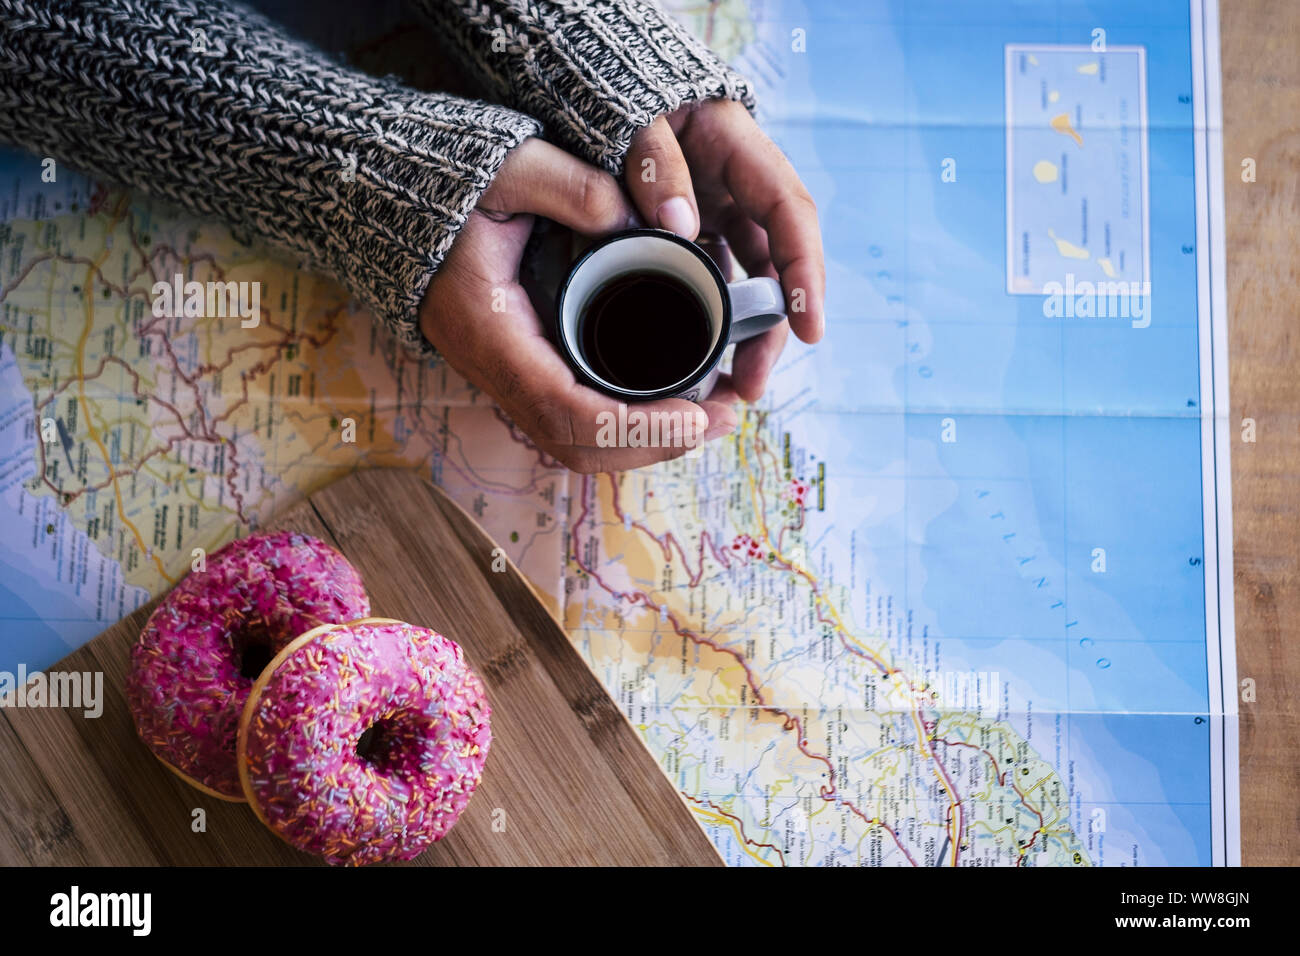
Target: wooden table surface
x=1261 y=121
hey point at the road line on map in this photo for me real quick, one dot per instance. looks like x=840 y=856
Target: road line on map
x=90 y=425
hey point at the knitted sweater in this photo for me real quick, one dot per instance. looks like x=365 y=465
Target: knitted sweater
x=210 y=105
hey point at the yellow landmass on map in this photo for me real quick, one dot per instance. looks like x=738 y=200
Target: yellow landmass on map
x=1107 y=267
x=1068 y=249
x=1045 y=171
x=1061 y=123
x=787 y=725
x=178 y=433
x=1089 y=69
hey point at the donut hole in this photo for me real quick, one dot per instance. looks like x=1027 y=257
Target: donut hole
x=369 y=744
x=390 y=744
x=254 y=651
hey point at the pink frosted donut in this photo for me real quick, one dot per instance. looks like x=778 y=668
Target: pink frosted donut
x=197 y=656
x=363 y=742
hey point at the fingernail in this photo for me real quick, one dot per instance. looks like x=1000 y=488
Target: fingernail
x=719 y=428
x=676 y=215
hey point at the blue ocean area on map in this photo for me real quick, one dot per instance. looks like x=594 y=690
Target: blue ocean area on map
x=1070 y=433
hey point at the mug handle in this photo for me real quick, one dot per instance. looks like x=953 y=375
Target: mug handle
x=757 y=305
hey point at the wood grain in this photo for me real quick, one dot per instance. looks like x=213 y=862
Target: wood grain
x=1261 y=120
x=574 y=782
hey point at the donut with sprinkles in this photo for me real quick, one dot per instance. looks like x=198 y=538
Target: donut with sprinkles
x=363 y=742
x=202 y=648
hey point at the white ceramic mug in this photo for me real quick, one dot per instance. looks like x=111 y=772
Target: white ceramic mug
x=736 y=311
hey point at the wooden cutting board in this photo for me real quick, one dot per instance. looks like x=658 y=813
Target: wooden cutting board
x=567 y=776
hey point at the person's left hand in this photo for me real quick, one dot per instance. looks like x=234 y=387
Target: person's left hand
x=708 y=164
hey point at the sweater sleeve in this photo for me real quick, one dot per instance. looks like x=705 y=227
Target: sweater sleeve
x=211 y=106
x=593 y=71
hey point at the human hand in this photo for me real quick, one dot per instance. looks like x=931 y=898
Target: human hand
x=480 y=318
x=709 y=164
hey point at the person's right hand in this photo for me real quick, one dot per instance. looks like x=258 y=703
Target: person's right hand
x=505 y=351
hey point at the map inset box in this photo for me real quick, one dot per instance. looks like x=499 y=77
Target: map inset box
x=1077 y=166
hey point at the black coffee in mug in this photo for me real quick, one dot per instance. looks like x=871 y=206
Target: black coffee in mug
x=645 y=314
x=644 y=330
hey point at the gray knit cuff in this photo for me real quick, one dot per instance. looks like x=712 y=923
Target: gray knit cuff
x=413 y=190
x=211 y=106
x=593 y=71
